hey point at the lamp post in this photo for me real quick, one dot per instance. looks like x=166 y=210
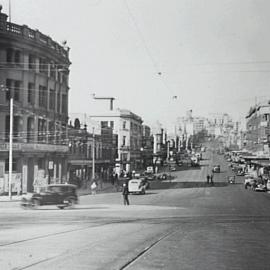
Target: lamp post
x=93 y=155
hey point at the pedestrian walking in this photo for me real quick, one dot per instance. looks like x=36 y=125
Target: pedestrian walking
x=125 y=193
x=94 y=188
x=207 y=178
x=211 y=179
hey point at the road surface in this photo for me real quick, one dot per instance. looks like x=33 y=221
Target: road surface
x=220 y=227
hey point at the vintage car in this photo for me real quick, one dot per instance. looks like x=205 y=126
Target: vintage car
x=61 y=195
x=138 y=186
x=250 y=181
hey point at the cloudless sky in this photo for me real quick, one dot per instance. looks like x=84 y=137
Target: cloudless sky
x=212 y=54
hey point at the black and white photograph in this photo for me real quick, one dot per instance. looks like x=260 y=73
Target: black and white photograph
x=134 y=134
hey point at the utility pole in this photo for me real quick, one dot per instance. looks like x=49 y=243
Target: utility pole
x=93 y=155
x=10 y=147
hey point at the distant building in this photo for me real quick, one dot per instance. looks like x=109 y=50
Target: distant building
x=147 y=147
x=258 y=129
x=80 y=158
x=128 y=127
x=34 y=70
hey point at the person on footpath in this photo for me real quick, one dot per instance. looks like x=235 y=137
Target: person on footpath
x=94 y=188
x=207 y=178
x=125 y=193
x=211 y=179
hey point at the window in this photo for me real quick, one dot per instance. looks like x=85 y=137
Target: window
x=43 y=66
x=14 y=165
x=124 y=124
x=31 y=62
x=16 y=127
x=64 y=103
x=52 y=70
x=266 y=117
x=112 y=124
x=9 y=55
x=17 y=57
x=31 y=94
x=8 y=87
x=124 y=141
x=104 y=124
x=41 y=130
x=41 y=164
x=42 y=97
x=52 y=100
x=17 y=87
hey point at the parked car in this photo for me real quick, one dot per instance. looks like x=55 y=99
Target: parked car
x=216 y=169
x=138 y=186
x=61 y=195
x=250 y=181
x=261 y=188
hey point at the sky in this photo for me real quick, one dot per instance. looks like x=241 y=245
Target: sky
x=159 y=58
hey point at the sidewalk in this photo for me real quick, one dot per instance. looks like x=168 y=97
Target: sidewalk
x=106 y=188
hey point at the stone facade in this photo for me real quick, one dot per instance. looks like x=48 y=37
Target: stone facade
x=34 y=70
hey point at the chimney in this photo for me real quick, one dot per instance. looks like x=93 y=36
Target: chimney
x=3 y=20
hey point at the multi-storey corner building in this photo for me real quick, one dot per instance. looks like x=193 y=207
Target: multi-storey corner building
x=34 y=69
x=258 y=129
x=128 y=127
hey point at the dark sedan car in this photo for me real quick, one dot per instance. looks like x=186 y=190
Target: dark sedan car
x=61 y=195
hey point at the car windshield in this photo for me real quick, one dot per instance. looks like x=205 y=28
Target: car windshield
x=55 y=189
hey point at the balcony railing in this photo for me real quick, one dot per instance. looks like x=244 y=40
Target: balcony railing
x=34 y=35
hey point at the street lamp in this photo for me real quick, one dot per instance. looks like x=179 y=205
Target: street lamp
x=93 y=155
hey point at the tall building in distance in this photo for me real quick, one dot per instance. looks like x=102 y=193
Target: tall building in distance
x=34 y=70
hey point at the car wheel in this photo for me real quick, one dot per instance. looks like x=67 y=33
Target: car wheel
x=36 y=203
x=143 y=192
x=61 y=207
x=71 y=202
